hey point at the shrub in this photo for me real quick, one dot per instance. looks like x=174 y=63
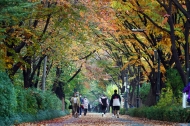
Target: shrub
x=185 y=115
x=174 y=82
x=131 y=112
x=144 y=90
x=26 y=105
x=174 y=113
x=122 y=111
x=166 y=98
x=20 y=96
x=52 y=102
x=141 y=112
x=41 y=115
x=7 y=96
x=32 y=100
x=34 y=105
x=67 y=103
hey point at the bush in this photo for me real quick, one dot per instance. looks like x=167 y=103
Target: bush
x=167 y=98
x=20 y=96
x=50 y=114
x=32 y=100
x=41 y=115
x=167 y=113
x=26 y=105
x=185 y=115
x=141 y=112
x=131 y=112
x=122 y=111
x=52 y=102
x=144 y=90
x=67 y=103
x=8 y=100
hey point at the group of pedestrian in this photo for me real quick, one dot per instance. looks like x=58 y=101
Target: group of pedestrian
x=115 y=103
x=79 y=104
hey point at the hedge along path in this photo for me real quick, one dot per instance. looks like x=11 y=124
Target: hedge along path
x=96 y=119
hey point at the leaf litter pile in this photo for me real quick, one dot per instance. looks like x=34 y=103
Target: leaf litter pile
x=95 y=119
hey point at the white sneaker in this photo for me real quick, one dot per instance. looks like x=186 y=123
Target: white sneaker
x=79 y=115
x=104 y=115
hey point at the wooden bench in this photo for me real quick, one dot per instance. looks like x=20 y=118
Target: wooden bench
x=184 y=101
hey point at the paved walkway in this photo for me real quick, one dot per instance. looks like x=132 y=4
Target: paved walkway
x=96 y=119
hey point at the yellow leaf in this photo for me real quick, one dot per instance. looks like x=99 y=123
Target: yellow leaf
x=81 y=13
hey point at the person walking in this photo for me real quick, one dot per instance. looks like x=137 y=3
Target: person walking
x=111 y=107
x=81 y=105
x=104 y=103
x=85 y=105
x=75 y=103
x=115 y=102
x=78 y=108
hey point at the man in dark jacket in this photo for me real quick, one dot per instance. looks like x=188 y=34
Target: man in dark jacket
x=115 y=102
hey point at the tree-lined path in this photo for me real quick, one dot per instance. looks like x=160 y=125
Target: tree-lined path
x=95 y=119
x=53 y=49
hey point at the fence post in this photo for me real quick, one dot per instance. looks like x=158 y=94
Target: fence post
x=184 y=100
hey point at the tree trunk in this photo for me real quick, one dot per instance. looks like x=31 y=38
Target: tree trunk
x=132 y=95
x=63 y=104
x=44 y=74
x=37 y=80
x=151 y=97
x=58 y=88
x=173 y=48
x=26 y=74
x=26 y=78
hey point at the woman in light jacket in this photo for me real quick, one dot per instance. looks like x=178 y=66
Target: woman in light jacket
x=85 y=105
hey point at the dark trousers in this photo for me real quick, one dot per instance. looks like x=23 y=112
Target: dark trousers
x=85 y=111
x=80 y=110
x=104 y=109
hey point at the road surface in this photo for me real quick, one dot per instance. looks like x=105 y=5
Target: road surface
x=96 y=119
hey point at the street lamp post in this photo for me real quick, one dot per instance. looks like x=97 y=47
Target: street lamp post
x=138 y=72
x=158 y=39
x=126 y=92
x=138 y=76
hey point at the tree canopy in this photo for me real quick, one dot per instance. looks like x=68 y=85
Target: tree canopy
x=87 y=41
